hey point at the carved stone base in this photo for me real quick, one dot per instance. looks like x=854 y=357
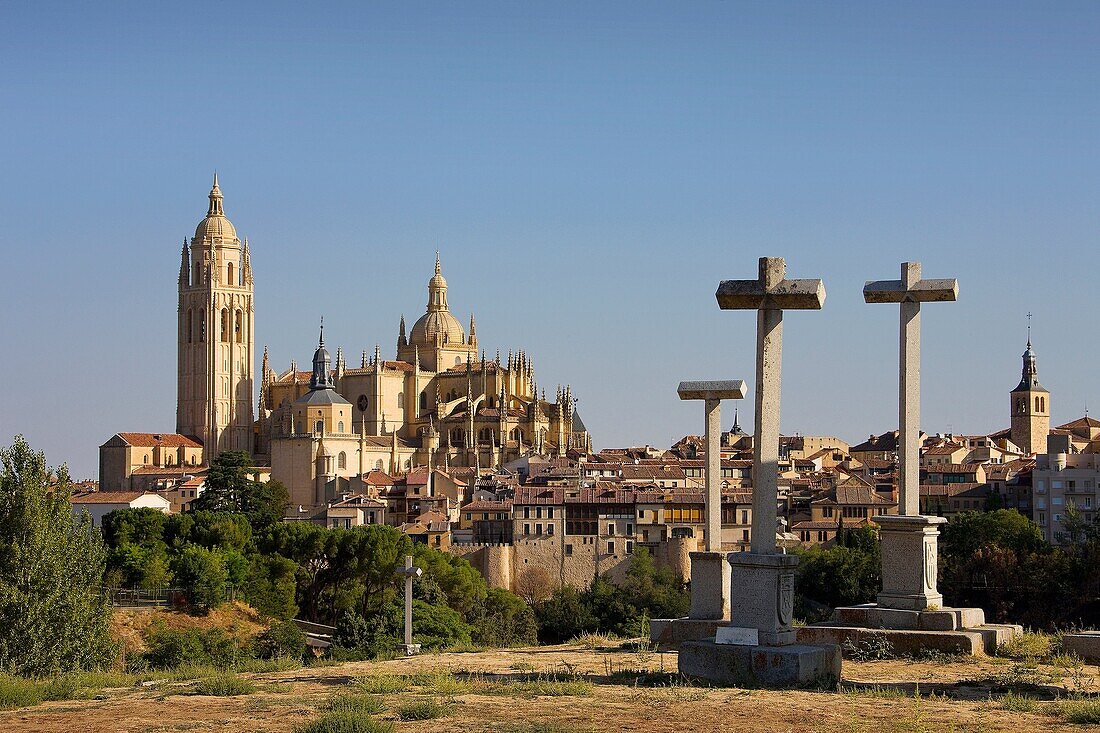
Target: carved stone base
x=910 y=562
x=762 y=595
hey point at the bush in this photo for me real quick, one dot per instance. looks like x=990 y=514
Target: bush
x=1081 y=711
x=17 y=692
x=223 y=685
x=171 y=648
x=281 y=639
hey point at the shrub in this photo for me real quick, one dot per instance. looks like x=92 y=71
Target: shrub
x=171 y=648
x=202 y=575
x=1029 y=645
x=224 y=685
x=1081 y=711
x=281 y=639
x=383 y=684
x=17 y=692
x=1018 y=703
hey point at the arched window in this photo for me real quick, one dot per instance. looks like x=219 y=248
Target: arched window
x=147 y=459
x=238 y=327
x=458 y=360
x=225 y=325
x=458 y=436
x=319 y=426
x=229 y=274
x=202 y=327
x=378 y=465
x=1037 y=407
x=490 y=402
x=423 y=400
x=400 y=400
x=340 y=428
x=342 y=460
x=190 y=325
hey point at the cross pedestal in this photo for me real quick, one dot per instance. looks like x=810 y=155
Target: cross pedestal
x=909 y=562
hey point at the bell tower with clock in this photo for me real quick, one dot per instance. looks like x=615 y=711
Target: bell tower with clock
x=215 y=336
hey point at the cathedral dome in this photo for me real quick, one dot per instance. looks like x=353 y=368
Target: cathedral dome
x=437 y=322
x=215 y=225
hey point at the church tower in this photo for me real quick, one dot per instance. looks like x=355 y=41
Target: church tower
x=216 y=341
x=1030 y=407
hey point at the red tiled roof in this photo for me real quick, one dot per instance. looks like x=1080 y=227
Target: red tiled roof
x=109 y=497
x=161 y=440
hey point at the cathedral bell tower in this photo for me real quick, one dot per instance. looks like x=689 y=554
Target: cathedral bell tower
x=1030 y=407
x=216 y=341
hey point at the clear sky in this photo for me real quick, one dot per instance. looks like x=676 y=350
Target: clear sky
x=589 y=172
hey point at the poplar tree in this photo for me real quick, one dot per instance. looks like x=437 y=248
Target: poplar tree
x=54 y=613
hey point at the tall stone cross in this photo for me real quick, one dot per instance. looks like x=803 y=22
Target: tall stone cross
x=410 y=572
x=910 y=291
x=769 y=295
x=712 y=394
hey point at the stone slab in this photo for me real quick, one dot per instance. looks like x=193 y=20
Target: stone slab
x=873 y=616
x=902 y=641
x=669 y=633
x=737 y=635
x=795 y=665
x=969 y=618
x=732 y=389
x=1085 y=644
x=939 y=620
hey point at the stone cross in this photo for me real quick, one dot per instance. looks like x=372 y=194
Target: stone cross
x=712 y=393
x=410 y=573
x=910 y=291
x=770 y=294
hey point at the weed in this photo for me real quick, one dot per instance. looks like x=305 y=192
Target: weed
x=423 y=710
x=17 y=692
x=226 y=684
x=440 y=683
x=1018 y=703
x=876 y=691
x=593 y=640
x=875 y=646
x=1079 y=710
x=345 y=722
x=1028 y=646
x=383 y=684
x=522 y=667
x=354 y=703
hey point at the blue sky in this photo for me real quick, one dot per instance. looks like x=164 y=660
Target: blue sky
x=589 y=172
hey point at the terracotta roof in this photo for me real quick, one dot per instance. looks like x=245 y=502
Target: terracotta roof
x=951 y=489
x=944 y=450
x=482 y=505
x=168 y=470
x=1084 y=422
x=376 y=477
x=161 y=440
x=954 y=468
x=358 y=500
x=826 y=525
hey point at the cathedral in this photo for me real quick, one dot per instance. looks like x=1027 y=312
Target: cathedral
x=440 y=402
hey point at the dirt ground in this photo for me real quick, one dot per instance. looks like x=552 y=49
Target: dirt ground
x=955 y=695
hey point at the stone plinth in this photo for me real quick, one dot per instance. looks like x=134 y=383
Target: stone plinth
x=710 y=586
x=1085 y=644
x=910 y=562
x=947 y=630
x=767 y=666
x=670 y=633
x=762 y=595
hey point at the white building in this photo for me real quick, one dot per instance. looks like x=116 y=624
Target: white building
x=98 y=504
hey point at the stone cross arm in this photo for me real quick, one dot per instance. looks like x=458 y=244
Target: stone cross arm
x=771 y=290
x=733 y=389
x=413 y=572
x=910 y=288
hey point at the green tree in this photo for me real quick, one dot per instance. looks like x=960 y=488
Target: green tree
x=270 y=586
x=231 y=487
x=202 y=575
x=54 y=616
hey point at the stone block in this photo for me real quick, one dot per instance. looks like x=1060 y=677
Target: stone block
x=710 y=586
x=902 y=641
x=762 y=595
x=994 y=635
x=761 y=666
x=670 y=633
x=939 y=620
x=969 y=618
x=873 y=616
x=1085 y=644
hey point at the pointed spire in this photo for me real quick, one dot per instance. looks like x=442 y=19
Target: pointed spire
x=321 y=343
x=215 y=199
x=377 y=358
x=363 y=363
x=321 y=378
x=473 y=331
x=185 y=265
x=402 y=341
x=438 y=269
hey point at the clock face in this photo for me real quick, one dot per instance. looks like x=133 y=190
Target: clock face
x=361 y=403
